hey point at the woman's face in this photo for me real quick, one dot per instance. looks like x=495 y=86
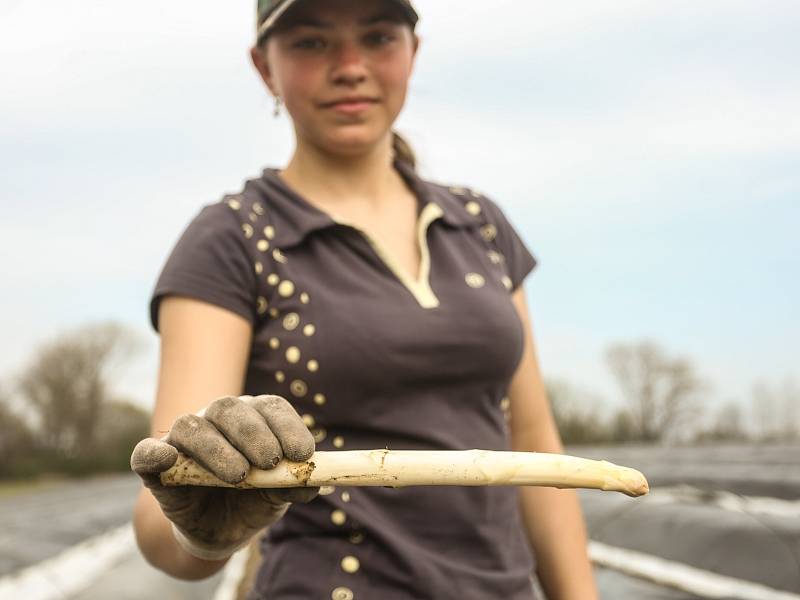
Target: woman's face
x=327 y=50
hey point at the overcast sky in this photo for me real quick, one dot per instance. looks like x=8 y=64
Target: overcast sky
x=648 y=153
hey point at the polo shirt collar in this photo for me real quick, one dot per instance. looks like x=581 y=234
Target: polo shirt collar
x=294 y=218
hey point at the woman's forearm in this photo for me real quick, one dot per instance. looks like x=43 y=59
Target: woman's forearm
x=557 y=533
x=159 y=546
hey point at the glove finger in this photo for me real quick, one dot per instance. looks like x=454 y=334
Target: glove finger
x=293 y=435
x=303 y=495
x=152 y=456
x=246 y=430
x=200 y=440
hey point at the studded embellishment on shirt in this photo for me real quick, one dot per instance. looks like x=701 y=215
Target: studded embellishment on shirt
x=319 y=399
x=312 y=366
x=293 y=354
x=304 y=298
x=458 y=190
x=309 y=330
x=309 y=421
x=258 y=209
x=474 y=280
x=495 y=257
x=259 y=268
x=326 y=490
x=507 y=282
x=489 y=232
x=319 y=434
x=345 y=496
x=473 y=208
x=338 y=517
x=262 y=305
x=342 y=593
x=280 y=376
x=338 y=442
x=262 y=245
x=286 y=288
x=234 y=204
x=279 y=256
x=356 y=537
x=274 y=343
x=291 y=321
x=248 y=230
x=269 y=232
x=350 y=564
x=298 y=388
x=273 y=279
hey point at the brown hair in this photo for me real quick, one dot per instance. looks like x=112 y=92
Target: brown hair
x=402 y=150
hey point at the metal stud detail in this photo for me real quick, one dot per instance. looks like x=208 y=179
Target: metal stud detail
x=286 y=288
x=304 y=298
x=309 y=330
x=234 y=204
x=274 y=343
x=269 y=232
x=473 y=208
x=273 y=279
x=489 y=232
x=262 y=245
x=248 y=230
x=338 y=442
x=298 y=388
x=319 y=399
x=291 y=321
x=313 y=366
x=338 y=517
x=280 y=376
x=342 y=593
x=475 y=280
x=278 y=256
x=350 y=564
x=293 y=354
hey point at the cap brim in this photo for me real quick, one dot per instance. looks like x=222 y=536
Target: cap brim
x=270 y=21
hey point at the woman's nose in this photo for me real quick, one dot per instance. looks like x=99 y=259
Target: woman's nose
x=349 y=60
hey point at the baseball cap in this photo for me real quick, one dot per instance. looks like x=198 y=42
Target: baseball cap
x=269 y=11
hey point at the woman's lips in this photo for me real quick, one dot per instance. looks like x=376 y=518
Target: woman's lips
x=351 y=107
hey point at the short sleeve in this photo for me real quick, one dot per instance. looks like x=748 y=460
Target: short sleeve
x=518 y=259
x=210 y=262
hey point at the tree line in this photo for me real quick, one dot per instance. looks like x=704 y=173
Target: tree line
x=61 y=413
x=664 y=399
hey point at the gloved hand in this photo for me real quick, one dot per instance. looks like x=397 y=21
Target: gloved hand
x=232 y=434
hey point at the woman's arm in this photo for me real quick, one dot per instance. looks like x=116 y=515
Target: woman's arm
x=553 y=517
x=204 y=351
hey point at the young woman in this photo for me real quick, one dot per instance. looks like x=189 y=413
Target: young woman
x=343 y=302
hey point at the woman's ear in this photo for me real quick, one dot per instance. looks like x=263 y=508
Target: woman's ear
x=259 y=57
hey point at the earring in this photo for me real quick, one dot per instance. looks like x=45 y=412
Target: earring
x=277 y=112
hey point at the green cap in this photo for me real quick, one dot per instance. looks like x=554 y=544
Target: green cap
x=269 y=11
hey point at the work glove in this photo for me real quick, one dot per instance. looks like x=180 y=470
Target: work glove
x=232 y=434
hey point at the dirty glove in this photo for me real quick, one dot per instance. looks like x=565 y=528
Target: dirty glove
x=233 y=434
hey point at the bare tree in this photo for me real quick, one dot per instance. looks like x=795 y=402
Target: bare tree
x=16 y=439
x=69 y=379
x=660 y=390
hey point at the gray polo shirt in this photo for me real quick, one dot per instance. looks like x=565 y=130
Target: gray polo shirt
x=375 y=359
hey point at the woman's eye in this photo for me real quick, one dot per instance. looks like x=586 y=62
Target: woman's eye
x=380 y=38
x=308 y=43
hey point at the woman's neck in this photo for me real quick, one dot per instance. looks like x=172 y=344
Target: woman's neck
x=337 y=182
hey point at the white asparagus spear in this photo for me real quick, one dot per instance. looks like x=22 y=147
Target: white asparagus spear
x=400 y=468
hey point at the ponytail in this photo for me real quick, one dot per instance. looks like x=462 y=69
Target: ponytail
x=403 y=151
